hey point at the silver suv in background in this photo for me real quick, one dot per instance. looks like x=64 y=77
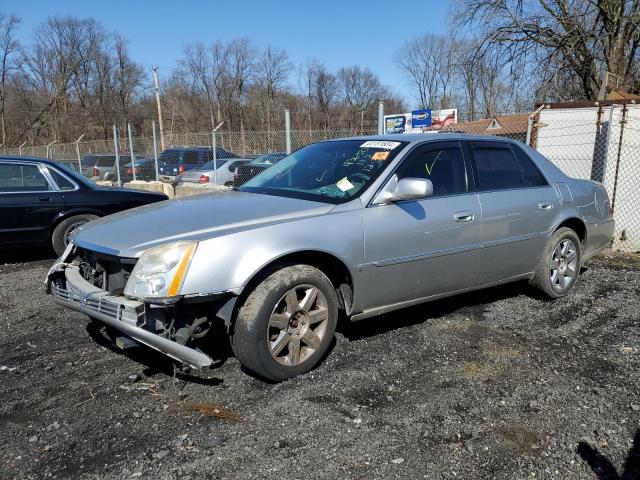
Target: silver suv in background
x=220 y=172
x=102 y=166
x=361 y=225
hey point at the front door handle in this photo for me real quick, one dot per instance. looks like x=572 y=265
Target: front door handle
x=463 y=217
x=44 y=199
x=545 y=205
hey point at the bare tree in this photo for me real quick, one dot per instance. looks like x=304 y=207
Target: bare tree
x=325 y=85
x=466 y=71
x=272 y=72
x=199 y=66
x=429 y=63
x=241 y=54
x=305 y=83
x=77 y=77
x=359 y=89
x=128 y=75
x=585 y=37
x=9 y=47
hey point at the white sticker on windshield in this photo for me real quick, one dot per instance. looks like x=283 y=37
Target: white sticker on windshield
x=386 y=144
x=344 y=184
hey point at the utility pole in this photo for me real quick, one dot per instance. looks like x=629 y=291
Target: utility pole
x=380 y=117
x=157 y=85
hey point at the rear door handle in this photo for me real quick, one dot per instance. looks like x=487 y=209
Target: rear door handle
x=44 y=199
x=463 y=217
x=545 y=205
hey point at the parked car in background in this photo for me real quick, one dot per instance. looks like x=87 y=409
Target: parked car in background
x=175 y=161
x=44 y=202
x=246 y=172
x=363 y=225
x=145 y=169
x=207 y=173
x=102 y=166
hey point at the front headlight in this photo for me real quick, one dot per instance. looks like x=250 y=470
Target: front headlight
x=160 y=271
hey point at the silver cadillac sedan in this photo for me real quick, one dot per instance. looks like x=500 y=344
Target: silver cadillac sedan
x=360 y=225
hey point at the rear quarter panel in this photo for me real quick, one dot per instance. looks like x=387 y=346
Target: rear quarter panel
x=591 y=201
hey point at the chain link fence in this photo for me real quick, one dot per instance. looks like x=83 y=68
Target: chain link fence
x=185 y=158
x=600 y=143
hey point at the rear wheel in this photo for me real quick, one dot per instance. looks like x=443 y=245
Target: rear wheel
x=286 y=324
x=559 y=267
x=61 y=235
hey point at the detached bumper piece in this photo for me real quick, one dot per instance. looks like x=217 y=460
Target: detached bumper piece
x=127 y=316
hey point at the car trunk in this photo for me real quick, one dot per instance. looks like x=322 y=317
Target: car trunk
x=191 y=176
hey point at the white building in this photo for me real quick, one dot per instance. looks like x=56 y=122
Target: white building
x=598 y=141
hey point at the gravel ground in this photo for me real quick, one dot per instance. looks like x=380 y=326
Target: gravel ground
x=493 y=384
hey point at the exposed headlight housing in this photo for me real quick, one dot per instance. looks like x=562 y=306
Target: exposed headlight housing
x=160 y=271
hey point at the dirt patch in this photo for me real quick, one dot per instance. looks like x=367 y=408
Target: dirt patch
x=616 y=261
x=478 y=371
x=525 y=441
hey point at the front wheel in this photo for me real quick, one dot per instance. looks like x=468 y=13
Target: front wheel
x=286 y=323
x=63 y=232
x=559 y=267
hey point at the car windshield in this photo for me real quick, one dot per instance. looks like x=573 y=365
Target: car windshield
x=334 y=171
x=269 y=158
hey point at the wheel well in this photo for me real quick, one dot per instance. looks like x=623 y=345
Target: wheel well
x=63 y=217
x=577 y=226
x=331 y=266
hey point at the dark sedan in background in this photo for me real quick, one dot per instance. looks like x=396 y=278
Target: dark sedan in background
x=246 y=172
x=43 y=202
x=174 y=161
x=145 y=169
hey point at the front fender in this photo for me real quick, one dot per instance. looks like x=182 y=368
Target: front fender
x=229 y=262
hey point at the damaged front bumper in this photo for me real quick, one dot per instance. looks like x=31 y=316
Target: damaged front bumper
x=68 y=288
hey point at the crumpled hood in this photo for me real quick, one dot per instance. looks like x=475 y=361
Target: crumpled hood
x=131 y=232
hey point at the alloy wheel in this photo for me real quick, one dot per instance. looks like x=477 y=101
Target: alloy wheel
x=297 y=325
x=563 y=264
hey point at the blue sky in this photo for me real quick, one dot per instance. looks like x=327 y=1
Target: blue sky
x=335 y=32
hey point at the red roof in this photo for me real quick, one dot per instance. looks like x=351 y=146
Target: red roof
x=498 y=125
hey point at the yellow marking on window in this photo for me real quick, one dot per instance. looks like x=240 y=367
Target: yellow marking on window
x=428 y=168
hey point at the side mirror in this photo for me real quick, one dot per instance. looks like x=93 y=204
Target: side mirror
x=409 y=188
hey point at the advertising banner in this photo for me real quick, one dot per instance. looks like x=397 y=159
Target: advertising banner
x=420 y=121
x=421 y=118
x=395 y=123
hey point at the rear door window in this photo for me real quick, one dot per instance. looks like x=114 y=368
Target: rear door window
x=496 y=166
x=530 y=172
x=233 y=165
x=63 y=184
x=22 y=178
x=106 y=161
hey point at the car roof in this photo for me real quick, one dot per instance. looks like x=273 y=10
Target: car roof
x=417 y=138
x=29 y=160
x=178 y=147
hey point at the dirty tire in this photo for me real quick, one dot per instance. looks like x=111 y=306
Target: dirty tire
x=64 y=228
x=250 y=339
x=542 y=277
